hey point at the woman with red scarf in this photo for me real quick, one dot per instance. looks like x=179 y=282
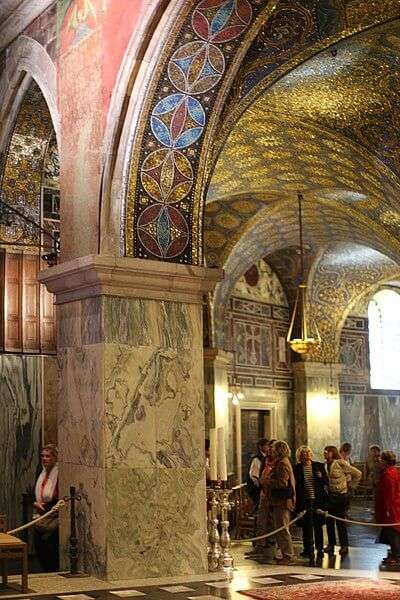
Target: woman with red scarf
x=46 y=496
x=388 y=508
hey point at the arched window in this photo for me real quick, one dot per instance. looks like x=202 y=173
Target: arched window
x=384 y=340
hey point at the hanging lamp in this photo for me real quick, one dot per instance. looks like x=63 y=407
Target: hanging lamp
x=235 y=391
x=309 y=334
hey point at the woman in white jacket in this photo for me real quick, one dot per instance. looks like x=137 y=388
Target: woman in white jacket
x=343 y=478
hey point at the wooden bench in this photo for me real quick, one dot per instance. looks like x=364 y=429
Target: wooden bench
x=12 y=547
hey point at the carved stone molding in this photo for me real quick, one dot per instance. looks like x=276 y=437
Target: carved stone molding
x=317 y=369
x=98 y=275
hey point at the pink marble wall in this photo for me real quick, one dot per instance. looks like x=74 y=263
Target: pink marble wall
x=93 y=38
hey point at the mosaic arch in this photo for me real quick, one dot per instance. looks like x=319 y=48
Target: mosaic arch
x=25 y=60
x=276 y=228
x=31 y=161
x=190 y=84
x=340 y=277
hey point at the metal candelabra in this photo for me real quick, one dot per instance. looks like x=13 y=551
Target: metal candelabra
x=219 y=541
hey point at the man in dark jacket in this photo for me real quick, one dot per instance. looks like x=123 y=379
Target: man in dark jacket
x=311 y=494
x=253 y=487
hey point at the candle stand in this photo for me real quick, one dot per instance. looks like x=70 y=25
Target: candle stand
x=219 y=541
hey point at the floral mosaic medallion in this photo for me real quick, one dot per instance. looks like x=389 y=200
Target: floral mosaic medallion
x=167 y=175
x=163 y=230
x=205 y=45
x=219 y=22
x=196 y=67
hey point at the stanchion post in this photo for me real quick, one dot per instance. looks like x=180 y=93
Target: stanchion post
x=73 y=540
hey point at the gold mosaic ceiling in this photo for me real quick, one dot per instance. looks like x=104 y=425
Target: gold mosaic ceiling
x=341 y=275
x=27 y=160
x=328 y=129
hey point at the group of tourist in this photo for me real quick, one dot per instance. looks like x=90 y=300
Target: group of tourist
x=280 y=492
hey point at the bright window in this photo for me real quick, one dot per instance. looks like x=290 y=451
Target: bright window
x=384 y=340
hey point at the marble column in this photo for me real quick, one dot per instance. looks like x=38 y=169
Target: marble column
x=317 y=405
x=131 y=412
x=219 y=411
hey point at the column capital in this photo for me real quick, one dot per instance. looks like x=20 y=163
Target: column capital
x=317 y=369
x=102 y=275
x=218 y=357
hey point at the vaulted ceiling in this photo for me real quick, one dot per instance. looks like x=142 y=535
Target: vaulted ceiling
x=328 y=129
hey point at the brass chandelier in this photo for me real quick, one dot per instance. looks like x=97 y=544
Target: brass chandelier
x=309 y=334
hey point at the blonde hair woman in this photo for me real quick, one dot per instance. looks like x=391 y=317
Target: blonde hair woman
x=343 y=478
x=282 y=498
x=311 y=494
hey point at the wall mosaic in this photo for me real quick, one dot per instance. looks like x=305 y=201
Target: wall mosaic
x=268 y=160
x=22 y=177
x=341 y=276
x=298 y=25
x=261 y=284
x=277 y=229
x=286 y=263
x=51 y=165
x=163 y=213
x=256 y=331
x=355 y=93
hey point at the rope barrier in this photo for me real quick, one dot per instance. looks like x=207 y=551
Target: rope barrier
x=271 y=533
x=56 y=508
x=326 y=514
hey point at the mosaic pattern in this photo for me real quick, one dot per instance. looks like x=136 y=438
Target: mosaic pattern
x=353 y=355
x=51 y=167
x=207 y=38
x=303 y=23
x=286 y=263
x=164 y=201
x=268 y=160
x=277 y=228
x=22 y=177
x=261 y=284
x=355 y=94
x=336 y=285
x=257 y=333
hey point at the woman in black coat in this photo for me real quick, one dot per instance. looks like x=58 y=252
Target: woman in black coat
x=311 y=494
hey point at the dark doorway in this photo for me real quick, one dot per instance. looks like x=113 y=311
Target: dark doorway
x=255 y=424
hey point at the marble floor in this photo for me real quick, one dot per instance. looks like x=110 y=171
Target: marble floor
x=206 y=587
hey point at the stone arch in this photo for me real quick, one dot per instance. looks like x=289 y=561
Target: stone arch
x=251 y=18
x=340 y=277
x=276 y=228
x=26 y=60
x=123 y=115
